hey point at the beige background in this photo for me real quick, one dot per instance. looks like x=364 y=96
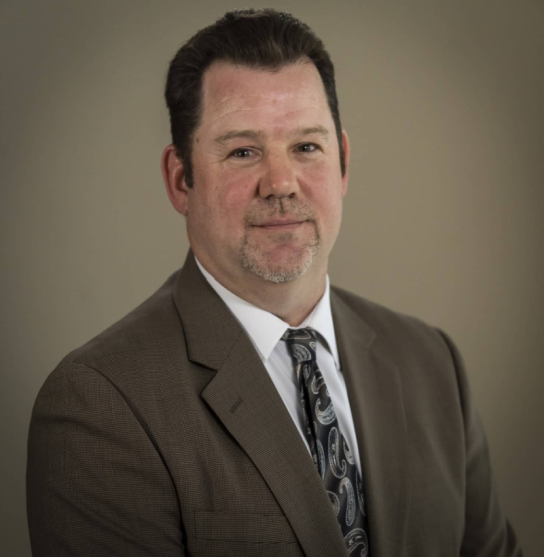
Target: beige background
x=444 y=105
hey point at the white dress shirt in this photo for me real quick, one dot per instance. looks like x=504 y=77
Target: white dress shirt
x=265 y=331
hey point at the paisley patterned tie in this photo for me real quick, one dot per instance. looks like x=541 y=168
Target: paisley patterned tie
x=327 y=444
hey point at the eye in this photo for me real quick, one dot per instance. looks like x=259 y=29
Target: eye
x=242 y=153
x=307 y=148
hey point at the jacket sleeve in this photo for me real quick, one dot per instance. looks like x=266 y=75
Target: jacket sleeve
x=96 y=485
x=487 y=532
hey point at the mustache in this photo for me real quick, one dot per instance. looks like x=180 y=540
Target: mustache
x=279 y=207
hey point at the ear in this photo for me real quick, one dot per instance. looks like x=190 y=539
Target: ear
x=345 y=145
x=173 y=175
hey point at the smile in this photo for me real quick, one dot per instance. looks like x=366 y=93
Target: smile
x=280 y=225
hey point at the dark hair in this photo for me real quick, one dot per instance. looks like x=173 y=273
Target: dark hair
x=254 y=38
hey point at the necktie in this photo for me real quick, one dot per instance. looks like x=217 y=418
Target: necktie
x=327 y=444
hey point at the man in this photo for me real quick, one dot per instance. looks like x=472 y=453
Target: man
x=248 y=408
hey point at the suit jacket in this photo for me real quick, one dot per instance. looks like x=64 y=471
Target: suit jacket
x=165 y=436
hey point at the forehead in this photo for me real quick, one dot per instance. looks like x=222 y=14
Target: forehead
x=244 y=94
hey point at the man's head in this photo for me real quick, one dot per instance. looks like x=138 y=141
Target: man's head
x=264 y=39
x=264 y=168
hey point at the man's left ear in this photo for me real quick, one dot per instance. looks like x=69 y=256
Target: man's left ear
x=345 y=145
x=173 y=174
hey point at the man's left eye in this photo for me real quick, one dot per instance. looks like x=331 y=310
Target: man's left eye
x=307 y=148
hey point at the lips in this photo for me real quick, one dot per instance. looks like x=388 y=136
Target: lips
x=279 y=223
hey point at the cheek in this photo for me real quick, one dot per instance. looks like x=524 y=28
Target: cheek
x=221 y=207
x=234 y=193
x=236 y=200
x=325 y=192
x=324 y=188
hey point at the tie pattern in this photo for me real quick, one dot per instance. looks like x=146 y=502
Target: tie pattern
x=328 y=447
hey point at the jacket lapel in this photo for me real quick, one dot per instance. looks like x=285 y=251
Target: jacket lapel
x=244 y=398
x=375 y=396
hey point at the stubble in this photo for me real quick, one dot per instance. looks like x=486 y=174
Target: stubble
x=298 y=259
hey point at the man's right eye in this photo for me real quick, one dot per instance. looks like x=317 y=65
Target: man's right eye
x=242 y=153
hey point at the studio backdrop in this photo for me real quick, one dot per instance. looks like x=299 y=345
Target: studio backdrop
x=443 y=103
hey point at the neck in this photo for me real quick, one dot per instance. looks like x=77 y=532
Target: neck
x=290 y=301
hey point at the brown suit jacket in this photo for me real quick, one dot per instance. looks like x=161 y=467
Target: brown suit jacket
x=165 y=436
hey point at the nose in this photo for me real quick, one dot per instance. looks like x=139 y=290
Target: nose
x=278 y=178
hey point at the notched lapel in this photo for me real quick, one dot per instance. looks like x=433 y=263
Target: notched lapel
x=243 y=396
x=377 y=405
x=209 y=326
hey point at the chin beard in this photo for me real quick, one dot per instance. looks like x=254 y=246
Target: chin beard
x=256 y=261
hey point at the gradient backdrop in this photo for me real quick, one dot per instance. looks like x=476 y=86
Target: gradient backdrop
x=443 y=102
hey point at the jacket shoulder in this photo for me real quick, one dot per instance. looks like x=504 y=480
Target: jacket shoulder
x=395 y=331
x=138 y=335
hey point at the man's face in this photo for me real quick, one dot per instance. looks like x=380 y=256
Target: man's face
x=267 y=194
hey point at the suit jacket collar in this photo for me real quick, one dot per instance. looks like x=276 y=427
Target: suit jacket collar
x=375 y=395
x=210 y=329
x=244 y=398
x=266 y=329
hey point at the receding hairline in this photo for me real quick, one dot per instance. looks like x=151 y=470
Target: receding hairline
x=303 y=61
x=255 y=133
x=275 y=69
x=270 y=68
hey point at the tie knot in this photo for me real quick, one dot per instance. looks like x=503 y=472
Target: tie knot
x=301 y=343
x=300 y=335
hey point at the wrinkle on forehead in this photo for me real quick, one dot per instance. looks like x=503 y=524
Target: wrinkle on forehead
x=232 y=92
x=278 y=96
x=256 y=100
x=231 y=75
x=235 y=110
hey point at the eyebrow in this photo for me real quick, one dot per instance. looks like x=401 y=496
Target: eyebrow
x=234 y=134
x=319 y=130
x=254 y=135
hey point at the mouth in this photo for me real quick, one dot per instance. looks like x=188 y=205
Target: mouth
x=280 y=224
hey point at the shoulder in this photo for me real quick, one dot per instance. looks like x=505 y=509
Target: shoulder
x=427 y=363
x=395 y=332
x=150 y=332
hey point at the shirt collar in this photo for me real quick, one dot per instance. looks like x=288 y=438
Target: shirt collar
x=265 y=329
